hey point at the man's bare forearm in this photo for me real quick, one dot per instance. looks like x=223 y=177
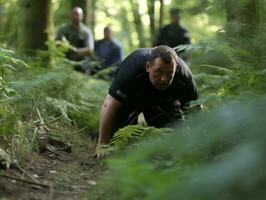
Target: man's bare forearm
x=107 y=119
x=85 y=51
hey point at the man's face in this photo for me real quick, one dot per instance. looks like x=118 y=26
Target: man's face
x=76 y=15
x=161 y=74
x=108 y=34
x=175 y=19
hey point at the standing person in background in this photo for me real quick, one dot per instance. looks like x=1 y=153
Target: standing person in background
x=174 y=34
x=80 y=37
x=108 y=50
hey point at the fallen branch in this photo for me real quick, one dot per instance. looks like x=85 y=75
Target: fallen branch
x=79 y=131
x=51 y=121
x=25 y=181
x=16 y=165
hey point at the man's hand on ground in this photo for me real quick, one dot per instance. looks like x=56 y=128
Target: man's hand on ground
x=102 y=151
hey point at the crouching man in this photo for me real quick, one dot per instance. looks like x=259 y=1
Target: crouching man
x=153 y=81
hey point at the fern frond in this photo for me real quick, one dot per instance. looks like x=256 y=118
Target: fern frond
x=7 y=59
x=216 y=69
x=5 y=51
x=187 y=47
x=133 y=133
x=39 y=83
x=62 y=106
x=207 y=81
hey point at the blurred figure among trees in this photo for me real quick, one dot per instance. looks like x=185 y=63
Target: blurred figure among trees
x=108 y=50
x=80 y=37
x=174 y=34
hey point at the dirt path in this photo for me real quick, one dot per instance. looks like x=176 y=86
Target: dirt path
x=60 y=175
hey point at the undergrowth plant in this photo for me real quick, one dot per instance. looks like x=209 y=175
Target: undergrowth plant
x=217 y=155
x=131 y=136
x=8 y=116
x=225 y=68
x=7 y=64
x=40 y=95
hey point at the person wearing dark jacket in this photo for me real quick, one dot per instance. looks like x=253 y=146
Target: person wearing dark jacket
x=173 y=34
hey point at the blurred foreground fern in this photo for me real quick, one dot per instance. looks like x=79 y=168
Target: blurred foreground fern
x=220 y=155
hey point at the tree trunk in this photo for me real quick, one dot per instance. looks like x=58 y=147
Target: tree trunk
x=91 y=15
x=126 y=26
x=151 y=11
x=138 y=23
x=243 y=17
x=161 y=13
x=34 y=25
x=244 y=30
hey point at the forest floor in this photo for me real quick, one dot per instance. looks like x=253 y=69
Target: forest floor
x=54 y=174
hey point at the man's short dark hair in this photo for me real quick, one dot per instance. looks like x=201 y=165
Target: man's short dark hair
x=166 y=53
x=175 y=11
x=108 y=27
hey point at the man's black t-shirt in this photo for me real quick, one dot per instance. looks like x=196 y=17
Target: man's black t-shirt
x=132 y=86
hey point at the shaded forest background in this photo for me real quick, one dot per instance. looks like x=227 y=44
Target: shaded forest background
x=221 y=149
x=135 y=23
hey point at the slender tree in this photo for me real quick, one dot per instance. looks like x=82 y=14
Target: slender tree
x=151 y=11
x=138 y=23
x=245 y=30
x=126 y=25
x=34 y=25
x=161 y=13
x=243 y=17
x=91 y=17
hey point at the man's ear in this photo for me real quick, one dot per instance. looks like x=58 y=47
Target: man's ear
x=147 y=66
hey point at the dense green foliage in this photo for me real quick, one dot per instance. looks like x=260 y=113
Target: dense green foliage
x=215 y=154
x=32 y=94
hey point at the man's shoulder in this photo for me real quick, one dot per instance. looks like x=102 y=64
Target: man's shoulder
x=170 y=27
x=165 y=27
x=130 y=69
x=134 y=63
x=183 y=29
x=99 y=41
x=142 y=52
x=116 y=44
x=64 y=28
x=113 y=44
x=136 y=60
x=85 y=28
